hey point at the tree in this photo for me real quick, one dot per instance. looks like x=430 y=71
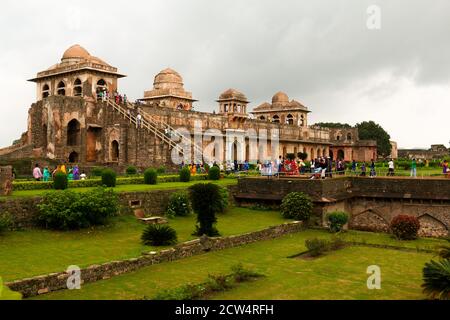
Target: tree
x=369 y=130
x=207 y=202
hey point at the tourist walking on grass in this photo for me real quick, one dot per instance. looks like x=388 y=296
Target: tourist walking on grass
x=391 y=168
x=37 y=173
x=413 y=168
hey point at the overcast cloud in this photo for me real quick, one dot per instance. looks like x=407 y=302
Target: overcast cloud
x=319 y=52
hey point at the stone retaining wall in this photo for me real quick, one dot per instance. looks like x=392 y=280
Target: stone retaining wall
x=58 y=281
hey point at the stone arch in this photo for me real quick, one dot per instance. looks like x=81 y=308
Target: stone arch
x=290 y=119
x=369 y=220
x=114 y=151
x=302 y=121
x=349 y=136
x=276 y=119
x=45 y=91
x=341 y=154
x=73 y=133
x=262 y=118
x=73 y=157
x=312 y=154
x=61 y=89
x=431 y=226
x=77 y=88
x=101 y=85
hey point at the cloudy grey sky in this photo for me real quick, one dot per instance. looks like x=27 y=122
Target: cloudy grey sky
x=319 y=52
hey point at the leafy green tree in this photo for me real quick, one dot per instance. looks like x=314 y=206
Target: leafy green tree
x=207 y=202
x=369 y=130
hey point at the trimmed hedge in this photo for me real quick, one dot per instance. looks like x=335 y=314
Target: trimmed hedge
x=214 y=173
x=185 y=175
x=109 y=178
x=61 y=182
x=151 y=176
x=34 y=185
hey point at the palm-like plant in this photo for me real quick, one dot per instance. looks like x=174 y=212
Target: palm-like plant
x=436 y=276
x=444 y=251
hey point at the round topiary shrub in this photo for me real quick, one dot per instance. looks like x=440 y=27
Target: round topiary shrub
x=337 y=220
x=214 y=173
x=109 y=178
x=60 y=181
x=97 y=171
x=405 y=227
x=161 y=170
x=179 y=205
x=159 y=235
x=150 y=176
x=131 y=171
x=185 y=175
x=297 y=205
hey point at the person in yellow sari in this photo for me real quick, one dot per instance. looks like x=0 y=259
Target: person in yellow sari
x=193 y=170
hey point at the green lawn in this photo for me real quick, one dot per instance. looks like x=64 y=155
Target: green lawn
x=36 y=252
x=338 y=275
x=125 y=188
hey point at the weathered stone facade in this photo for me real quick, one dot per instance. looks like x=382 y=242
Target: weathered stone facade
x=68 y=123
x=6 y=178
x=372 y=203
x=58 y=281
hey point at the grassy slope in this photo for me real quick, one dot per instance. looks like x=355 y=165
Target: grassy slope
x=37 y=252
x=339 y=275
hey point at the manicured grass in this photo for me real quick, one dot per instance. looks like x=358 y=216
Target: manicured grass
x=35 y=252
x=126 y=188
x=338 y=275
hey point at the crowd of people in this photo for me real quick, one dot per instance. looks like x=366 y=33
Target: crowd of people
x=47 y=174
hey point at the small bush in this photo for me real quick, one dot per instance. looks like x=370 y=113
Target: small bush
x=97 y=171
x=224 y=202
x=337 y=221
x=219 y=283
x=185 y=293
x=214 y=173
x=150 y=176
x=207 y=202
x=161 y=170
x=131 y=171
x=240 y=274
x=179 y=205
x=159 y=235
x=317 y=247
x=60 y=181
x=109 y=178
x=5 y=222
x=444 y=251
x=405 y=227
x=70 y=210
x=436 y=277
x=297 y=205
x=185 y=175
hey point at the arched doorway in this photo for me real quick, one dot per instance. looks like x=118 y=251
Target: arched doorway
x=312 y=154
x=341 y=154
x=331 y=154
x=73 y=157
x=45 y=91
x=101 y=85
x=114 y=151
x=290 y=119
x=61 y=91
x=73 y=133
x=77 y=88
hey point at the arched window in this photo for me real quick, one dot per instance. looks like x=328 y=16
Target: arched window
x=77 y=88
x=302 y=121
x=319 y=153
x=341 y=154
x=312 y=154
x=349 y=136
x=61 y=89
x=114 y=151
x=45 y=91
x=338 y=138
x=73 y=157
x=276 y=119
x=73 y=133
x=290 y=119
x=101 y=85
x=262 y=118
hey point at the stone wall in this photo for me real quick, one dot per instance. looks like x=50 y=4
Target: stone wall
x=6 y=177
x=58 y=281
x=372 y=203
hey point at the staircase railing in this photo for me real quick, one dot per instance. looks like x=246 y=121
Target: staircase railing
x=150 y=126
